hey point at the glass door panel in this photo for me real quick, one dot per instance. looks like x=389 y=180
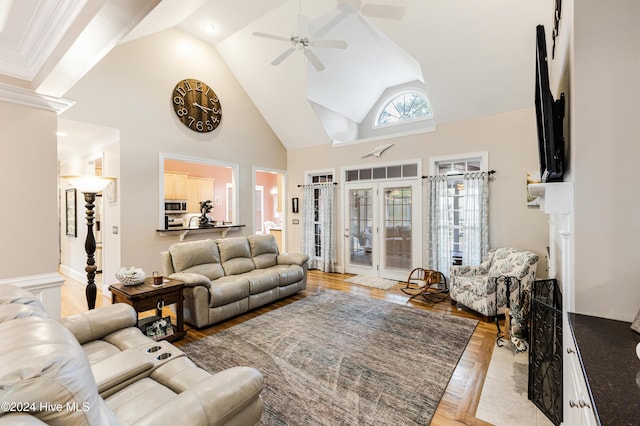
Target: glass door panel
x=360 y=230
x=400 y=244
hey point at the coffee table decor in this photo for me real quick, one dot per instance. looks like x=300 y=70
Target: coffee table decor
x=131 y=276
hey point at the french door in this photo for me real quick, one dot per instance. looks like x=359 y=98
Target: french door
x=382 y=228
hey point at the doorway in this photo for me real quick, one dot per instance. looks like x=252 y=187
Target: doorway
x=383 y=222
x=269 y=204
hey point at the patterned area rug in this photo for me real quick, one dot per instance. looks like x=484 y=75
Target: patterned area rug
x=375 y=282
x=334 y=358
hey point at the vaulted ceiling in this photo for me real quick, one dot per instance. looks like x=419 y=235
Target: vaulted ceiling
x=476 y=58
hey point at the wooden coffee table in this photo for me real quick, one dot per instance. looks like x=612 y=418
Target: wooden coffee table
x=147 y=296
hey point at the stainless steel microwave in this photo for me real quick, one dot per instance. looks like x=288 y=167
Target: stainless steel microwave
x=175 y=206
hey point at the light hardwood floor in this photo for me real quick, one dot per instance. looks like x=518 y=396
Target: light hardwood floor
x=459 y=403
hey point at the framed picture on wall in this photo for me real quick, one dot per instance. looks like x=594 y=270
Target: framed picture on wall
x=70 y=212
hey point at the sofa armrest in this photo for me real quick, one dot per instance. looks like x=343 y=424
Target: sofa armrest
x=97 y=323
x=215 y=400
x=464 y=270
x=292 y=259
x=191 y=279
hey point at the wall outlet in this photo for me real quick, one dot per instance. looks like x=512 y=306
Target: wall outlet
x=115 y=229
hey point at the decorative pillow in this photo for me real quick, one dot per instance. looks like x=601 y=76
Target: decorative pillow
x=187 y=254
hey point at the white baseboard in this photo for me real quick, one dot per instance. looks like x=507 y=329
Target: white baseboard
x=73 y=274
x=47 y=287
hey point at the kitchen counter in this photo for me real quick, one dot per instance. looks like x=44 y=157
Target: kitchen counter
x=183 y=232
x=607 y=352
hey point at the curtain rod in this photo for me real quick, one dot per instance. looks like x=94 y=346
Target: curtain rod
x=317 y=184
x=490 y=172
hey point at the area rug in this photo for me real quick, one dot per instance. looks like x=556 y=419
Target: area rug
x=334 y=358
x=375 y=282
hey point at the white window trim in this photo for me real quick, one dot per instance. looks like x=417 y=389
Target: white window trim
x=309 y=174
x=483 y=155
x=167 y=156
x=393 y=95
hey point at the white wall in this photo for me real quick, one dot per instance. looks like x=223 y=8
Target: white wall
x=131 y=90
x=28 y=171
x=606 y=113
x=509 y=138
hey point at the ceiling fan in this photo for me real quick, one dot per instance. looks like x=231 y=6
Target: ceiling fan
x=301 y=41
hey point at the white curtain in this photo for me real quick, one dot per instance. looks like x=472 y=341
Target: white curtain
x=440 y=220
x=308 y=221
x=318 y=227
x=476 y=218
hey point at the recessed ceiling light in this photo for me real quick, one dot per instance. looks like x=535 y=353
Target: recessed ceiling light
x=210 y=28
x=61 y=134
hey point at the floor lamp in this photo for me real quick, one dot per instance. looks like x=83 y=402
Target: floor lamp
x=90 y=186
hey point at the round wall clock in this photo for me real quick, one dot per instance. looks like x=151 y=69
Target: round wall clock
x=196 y=105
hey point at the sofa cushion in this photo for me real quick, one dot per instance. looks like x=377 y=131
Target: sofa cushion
x=212 y=271
x=235 y=255
x=15 y=295
x=262 y=280
x=228 y=289
x=289 y=274
x=191 y=253
x=264 y=250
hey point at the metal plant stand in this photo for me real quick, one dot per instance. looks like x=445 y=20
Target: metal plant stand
x=545 y=353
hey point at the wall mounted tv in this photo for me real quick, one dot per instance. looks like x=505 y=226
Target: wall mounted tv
x=549 y=115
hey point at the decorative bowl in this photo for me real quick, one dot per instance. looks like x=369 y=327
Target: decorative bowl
x=131 y=276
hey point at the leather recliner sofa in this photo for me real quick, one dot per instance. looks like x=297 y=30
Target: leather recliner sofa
x=97 y=368
x=230 y=276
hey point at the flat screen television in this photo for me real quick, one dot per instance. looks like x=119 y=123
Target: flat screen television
x=549 y=115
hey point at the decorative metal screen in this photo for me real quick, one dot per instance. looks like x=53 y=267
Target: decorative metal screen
x=545 y=352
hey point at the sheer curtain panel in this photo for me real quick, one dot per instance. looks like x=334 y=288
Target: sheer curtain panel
x=440 y=222
x=318 y=226
x=475 y=227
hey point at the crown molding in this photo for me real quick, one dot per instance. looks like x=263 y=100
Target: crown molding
x=26 y=97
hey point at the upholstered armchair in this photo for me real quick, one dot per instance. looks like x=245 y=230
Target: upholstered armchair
x=478 y=287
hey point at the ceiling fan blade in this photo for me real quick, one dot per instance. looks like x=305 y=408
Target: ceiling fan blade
x=332 y=23
x=313 y=59
x=272 y=36
x=283 y=56
x=383 y=11
x=335 y=44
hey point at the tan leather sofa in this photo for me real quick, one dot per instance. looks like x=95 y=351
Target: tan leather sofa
x=97 y=368
x=230 y=276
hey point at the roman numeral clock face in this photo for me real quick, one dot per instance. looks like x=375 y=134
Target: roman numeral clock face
x=196 y=105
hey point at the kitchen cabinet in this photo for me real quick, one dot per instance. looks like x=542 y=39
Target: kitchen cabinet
x=277 y=234
x=175 y=186
x=198 y=189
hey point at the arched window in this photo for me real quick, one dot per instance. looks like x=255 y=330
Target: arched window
x=404 y=106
